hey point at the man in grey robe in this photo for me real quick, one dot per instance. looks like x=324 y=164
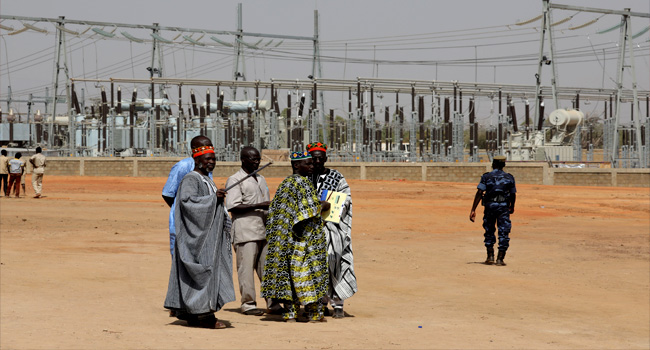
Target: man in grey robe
x=200 y=280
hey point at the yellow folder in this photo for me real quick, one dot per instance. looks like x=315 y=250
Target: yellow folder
x=336 y=200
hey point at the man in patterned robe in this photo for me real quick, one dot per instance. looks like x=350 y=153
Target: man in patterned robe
x=200 y=280
x=295 y=270
x=343 y=282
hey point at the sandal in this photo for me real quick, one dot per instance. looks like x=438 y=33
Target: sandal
x=210 y=322
x=254 y=312
x=278 y=311
x=322 y=319
x=207 y=324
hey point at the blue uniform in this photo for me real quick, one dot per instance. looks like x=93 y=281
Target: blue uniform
x=499 y=186
x=179 y=170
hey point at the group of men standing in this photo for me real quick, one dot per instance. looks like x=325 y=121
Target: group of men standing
x=301 y=259
x=12 y=173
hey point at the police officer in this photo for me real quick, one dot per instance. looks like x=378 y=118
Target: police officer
x=498 y=191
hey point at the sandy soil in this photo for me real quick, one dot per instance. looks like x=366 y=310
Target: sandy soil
x=86 y=267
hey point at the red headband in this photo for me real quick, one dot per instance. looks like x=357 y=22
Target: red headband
x=199 y=151
x=317 y=146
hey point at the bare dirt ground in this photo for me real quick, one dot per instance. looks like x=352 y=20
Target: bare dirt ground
x=86 y=267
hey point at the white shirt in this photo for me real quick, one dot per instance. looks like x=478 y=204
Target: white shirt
x=250 y=226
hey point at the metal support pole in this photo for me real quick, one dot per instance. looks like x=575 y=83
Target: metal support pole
x=619 y=86
x=546 y=27
x=60 y=49
x=239 y=54
x=472 y=130
x=289 y=122
x=635 y=103
x=29 y=119
x=317 y=72
x=413 y=136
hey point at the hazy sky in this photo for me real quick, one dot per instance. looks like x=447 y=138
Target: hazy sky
x=426 y=40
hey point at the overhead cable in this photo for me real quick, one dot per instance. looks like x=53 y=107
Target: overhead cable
x=160 y=38
x=383 y=38
x=561 y=21
x=529 y=21
x=643 y=31
x=195 y=42
x=64 y=29
x=131 y=37
x=103 y=33
x=584 y=24
x=221 y=42
x=246 y=44
x=18 y=31
x=35 y=28
x=610 y=29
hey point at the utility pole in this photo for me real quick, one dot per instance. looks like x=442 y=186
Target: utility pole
x=624 y=42
x=61 y=48
x=317 y=72
x=543 y=60
x=239 y=55
x=156 y=49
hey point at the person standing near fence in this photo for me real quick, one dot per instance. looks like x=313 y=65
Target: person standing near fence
x=4 y=172
x=16 y=170
x=498 y=192
x=38 y=162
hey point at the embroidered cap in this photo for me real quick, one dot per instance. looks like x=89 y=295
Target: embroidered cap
x=317 y=146
x=199 y=151
x=300 y=155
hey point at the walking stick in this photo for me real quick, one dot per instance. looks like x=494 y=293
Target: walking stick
x=247 y=176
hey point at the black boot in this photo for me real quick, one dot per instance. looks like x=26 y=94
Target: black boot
x=500 y=256
x=490 y=256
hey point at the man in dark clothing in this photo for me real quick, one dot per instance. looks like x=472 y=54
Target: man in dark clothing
x=498 y=192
